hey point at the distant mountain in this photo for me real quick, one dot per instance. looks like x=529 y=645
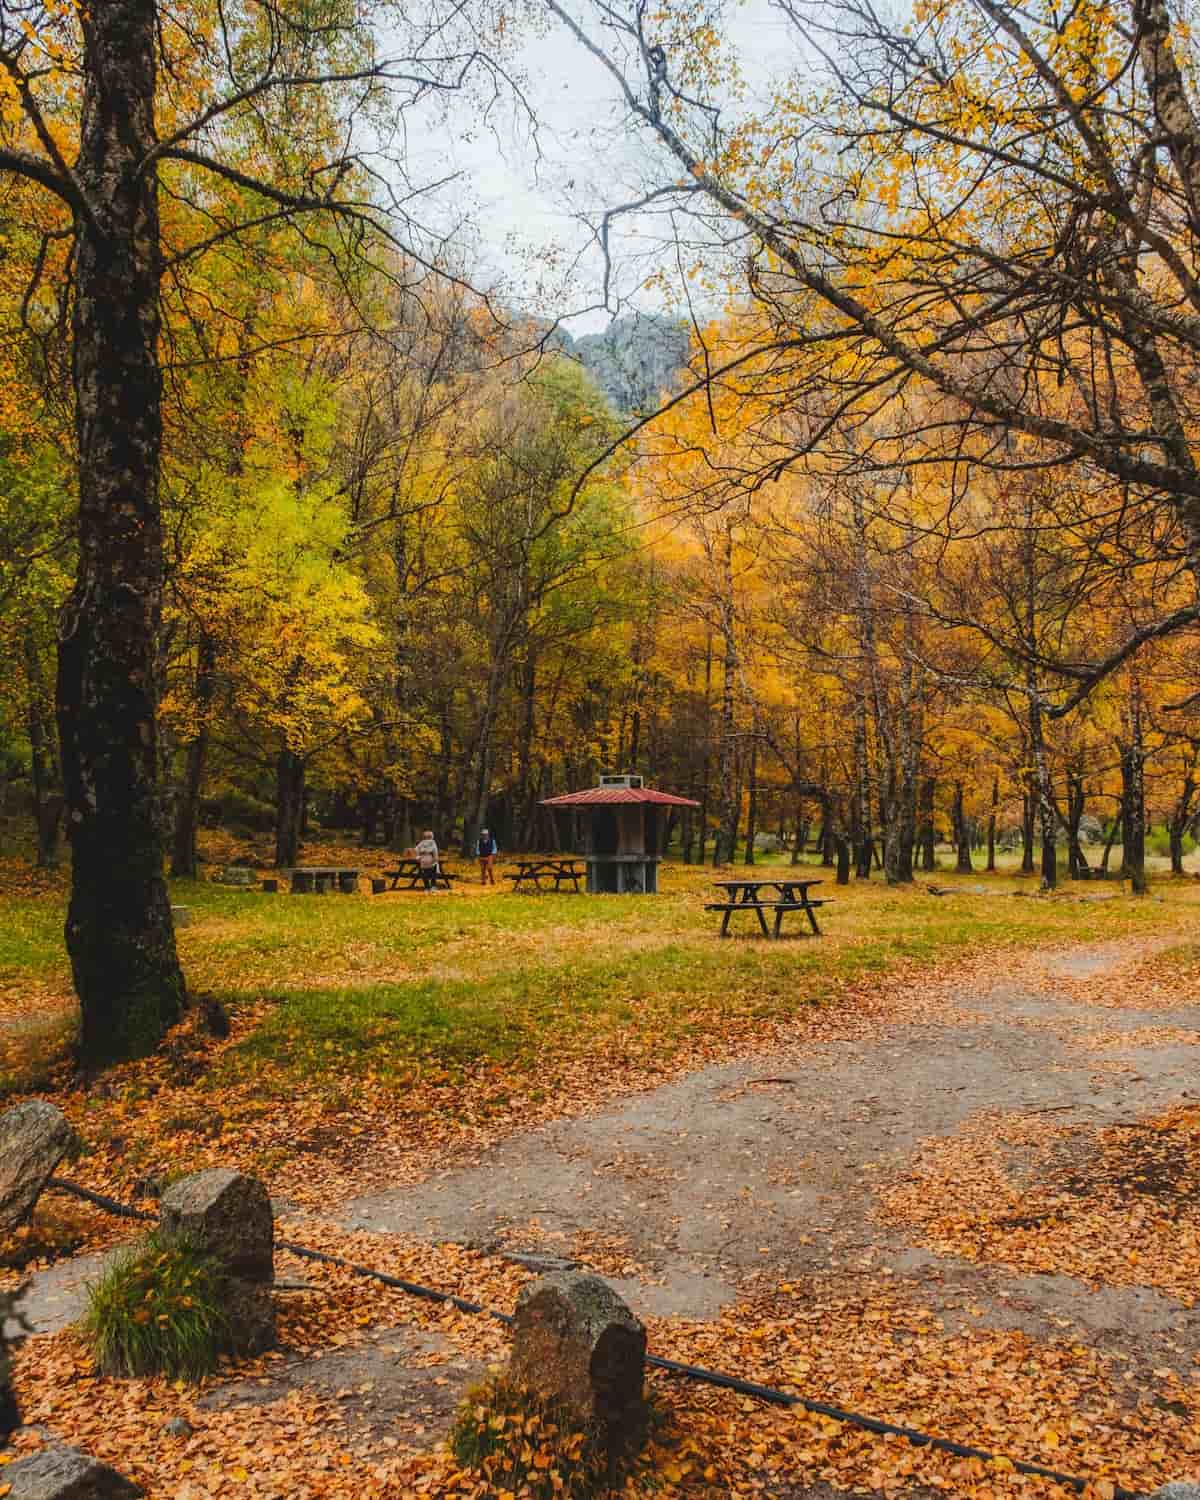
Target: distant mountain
x=634 y=360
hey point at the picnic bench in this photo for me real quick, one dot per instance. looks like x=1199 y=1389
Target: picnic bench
x=411 y=868
x=558 y=870
x=308 y=880
x=747 y=895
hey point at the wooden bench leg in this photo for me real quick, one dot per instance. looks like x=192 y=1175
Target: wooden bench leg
x=778 y=922
x=725 y=922
x=762 y=921
x=812 y=917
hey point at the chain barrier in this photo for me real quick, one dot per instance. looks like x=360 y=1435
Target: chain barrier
x=735 y=1383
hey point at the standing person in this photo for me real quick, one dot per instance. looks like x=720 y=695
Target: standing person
x=427 y=860
x=485 y=852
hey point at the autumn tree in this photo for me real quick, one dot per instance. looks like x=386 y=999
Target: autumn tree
x=996 y=209
x=106 y=109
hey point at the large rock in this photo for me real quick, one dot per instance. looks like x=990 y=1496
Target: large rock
x=635 y=359
x=66 y=1474
x=235 y=875
x=576 y=1344
x=1178 y=1489
x=34 y=1138
x=229 y=1215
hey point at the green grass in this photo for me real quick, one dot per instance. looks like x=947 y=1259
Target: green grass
x=159 y=1309
x=31 y=938
x=356 y=984
x=567 y=973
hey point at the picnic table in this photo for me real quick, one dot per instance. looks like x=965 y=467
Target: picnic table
x=412 y=869
x=559 y=870
x=745 y=895
x=308 y=880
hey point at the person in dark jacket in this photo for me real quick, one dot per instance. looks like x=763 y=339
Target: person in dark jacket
x=485 y=852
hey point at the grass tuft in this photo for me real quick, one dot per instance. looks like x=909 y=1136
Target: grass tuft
x=159 y=1310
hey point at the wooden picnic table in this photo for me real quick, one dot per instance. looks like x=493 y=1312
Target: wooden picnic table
x=558 y=870
x=744 y=895
x=412 y=868
x=318 y=879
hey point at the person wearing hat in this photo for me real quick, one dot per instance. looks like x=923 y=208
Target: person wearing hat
x=485 y=852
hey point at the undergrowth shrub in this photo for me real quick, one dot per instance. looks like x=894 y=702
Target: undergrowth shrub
x=519 y=1442
x=159 y=1309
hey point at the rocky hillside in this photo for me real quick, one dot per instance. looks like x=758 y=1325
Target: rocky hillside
x=634 y=360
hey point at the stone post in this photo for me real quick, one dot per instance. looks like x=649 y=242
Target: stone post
x=229 y=1215
x=577 y=1345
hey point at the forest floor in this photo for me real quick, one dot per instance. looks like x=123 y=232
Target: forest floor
x=940 y=1167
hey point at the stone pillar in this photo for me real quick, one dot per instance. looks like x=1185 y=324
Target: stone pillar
x=229 y=1215
x=577 y=1345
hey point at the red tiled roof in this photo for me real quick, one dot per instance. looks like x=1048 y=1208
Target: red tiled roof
x=599 y=794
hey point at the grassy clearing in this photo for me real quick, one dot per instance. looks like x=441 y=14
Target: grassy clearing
x=405 y=1023
x=348 y=985
x=502 y=979
x=383 y=983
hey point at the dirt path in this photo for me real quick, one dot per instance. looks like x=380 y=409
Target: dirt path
x=753 y=1207
x=737 y=1175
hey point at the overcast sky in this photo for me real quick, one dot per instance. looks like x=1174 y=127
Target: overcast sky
x=525 y=207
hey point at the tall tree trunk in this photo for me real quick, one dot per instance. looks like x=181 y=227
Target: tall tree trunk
x=838 y=841
x=1076 y=802
x=708 y=658
x=485 y=751
x=861 y=806
x=289 y=807
x=119 y=932
x=908 y=732
x=1027 y=805
x=961 y=839
x=752 y=808
x=1037 y=744
x=524 y=810
x=443 y=806
x=991 y=833
x=865 y=688
x=1045 y=796
x=1133 y=782
x=928 y=835
x=727 y=760
x=827 y=844
x=187 y=802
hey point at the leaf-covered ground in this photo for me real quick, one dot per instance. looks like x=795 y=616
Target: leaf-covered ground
x=937 y=1281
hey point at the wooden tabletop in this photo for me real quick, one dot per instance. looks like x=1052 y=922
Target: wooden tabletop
x=545 y=862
